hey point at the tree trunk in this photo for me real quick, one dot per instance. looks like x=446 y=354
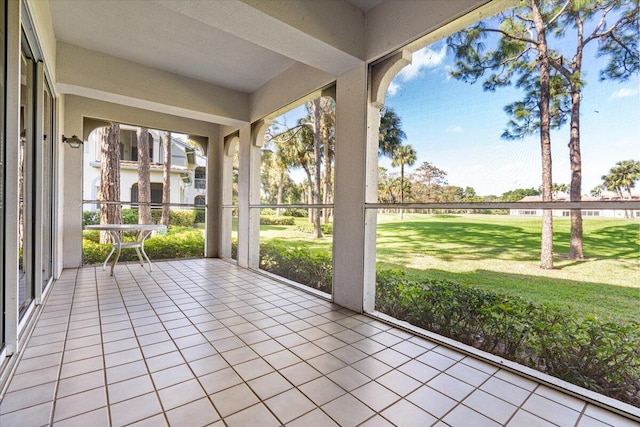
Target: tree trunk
x=144 y=184
x=166 y=179
x=283 y=174
x=326 y=144
x=402 y=189
x=110 y=178
x=546 y=250
x=317 y=156
x=575 y=194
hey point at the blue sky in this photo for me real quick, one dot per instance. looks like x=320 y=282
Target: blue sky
x=457 y=127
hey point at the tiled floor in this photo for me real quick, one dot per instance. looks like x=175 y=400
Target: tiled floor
x=202 y=342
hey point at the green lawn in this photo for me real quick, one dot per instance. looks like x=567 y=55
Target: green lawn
x=500 y=253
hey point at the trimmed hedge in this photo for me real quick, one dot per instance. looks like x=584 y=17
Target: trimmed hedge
x=276 y=220
x=180 y=218
x=596 y=354
x=178 y=242
x=307 y=227
x=309 y=267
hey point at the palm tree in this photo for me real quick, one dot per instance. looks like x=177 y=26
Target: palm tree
x=627 y=173
x=390 y=135
x=623 y=176
x=403 y=155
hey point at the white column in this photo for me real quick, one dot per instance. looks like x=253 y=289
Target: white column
x=243 y=195
x=226 y=222
x=258 y=131
x=214 y=196
x=350 y=188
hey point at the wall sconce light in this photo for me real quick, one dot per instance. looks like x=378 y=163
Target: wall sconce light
x=74 y=141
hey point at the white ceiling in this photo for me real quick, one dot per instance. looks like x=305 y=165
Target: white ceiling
x=222 y=42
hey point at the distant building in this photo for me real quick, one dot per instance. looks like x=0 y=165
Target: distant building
x=188 y=169
x=603 y=213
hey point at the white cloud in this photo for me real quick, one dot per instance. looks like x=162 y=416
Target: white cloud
x=421 y=60
x=393 y=88
x=455 y=129
x=624 y=93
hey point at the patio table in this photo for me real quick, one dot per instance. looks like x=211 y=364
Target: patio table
x=143 y=231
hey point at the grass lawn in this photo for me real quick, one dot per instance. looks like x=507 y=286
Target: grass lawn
x=501 y=254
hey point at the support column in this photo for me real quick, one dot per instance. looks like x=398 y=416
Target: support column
x=226 y=222
x=214 y=196
x=244 y=192
x=258 y=131
x=350 y=188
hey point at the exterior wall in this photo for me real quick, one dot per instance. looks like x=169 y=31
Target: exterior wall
x=604 y=213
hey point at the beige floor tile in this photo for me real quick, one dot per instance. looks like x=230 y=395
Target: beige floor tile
x=432 y=401
x=290 y=405
x=27 y=397
x=398 y=382
x=37 y=415
x=135 y=409
x=180 y=394
x=315 y=418
x=348 y=378
x=220 y=380
x=127 y=389
x=404 y=413
x=550 y=410
x=233 y=399
x=321 y=390
x=252 y=416
x=80 y=383
x=490 y=406
x=461 y=416
x=300 y=373
x=375 y=396
x=80 y=403
x=171 y=376
x=96 y=418
x=505 y=391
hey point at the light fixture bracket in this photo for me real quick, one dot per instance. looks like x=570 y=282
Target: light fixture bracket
x=73 y=141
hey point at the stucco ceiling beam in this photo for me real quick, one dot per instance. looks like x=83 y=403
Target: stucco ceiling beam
x=306 y=32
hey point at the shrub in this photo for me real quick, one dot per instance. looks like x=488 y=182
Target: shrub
x=267 y=212
x=179 y=242
x=90 y=218
x=274 y=220
x=199 y=215
x=296 y=212
x=91 y=235
x=129 y=216
x=307 y=227
x=309 y=267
